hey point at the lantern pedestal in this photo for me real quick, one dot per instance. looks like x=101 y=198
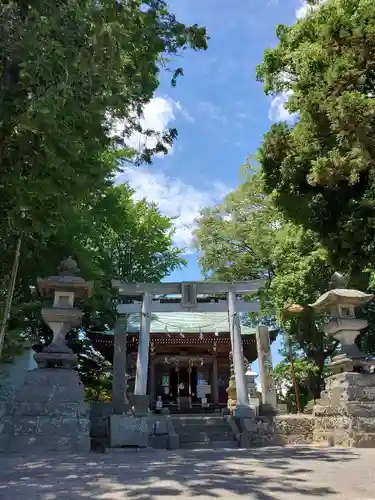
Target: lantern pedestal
x=345 y=415
x=49 y=413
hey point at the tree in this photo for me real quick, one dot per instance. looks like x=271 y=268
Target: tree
x=70 y=71
x=115 y=237
x=247 y=237
x=320 y=170
x=284 y=383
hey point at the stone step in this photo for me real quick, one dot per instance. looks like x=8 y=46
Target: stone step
x=198 y=418
x=203 y=436
x=207 y=432
x=202 y=428
x=193 y=422
x=213 y=445
x=196 y=423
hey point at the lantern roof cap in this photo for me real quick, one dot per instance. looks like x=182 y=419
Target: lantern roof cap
x=251 y=373
x=341 y=296
x=66 y=280
x=293 y=309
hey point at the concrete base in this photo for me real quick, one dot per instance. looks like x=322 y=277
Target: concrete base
x=48 y=414
x=267 y=410
x=140 y=405
x=243 y=412
x=128 y=430
x=345 y=415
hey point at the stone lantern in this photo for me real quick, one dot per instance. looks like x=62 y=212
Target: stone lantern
x=250 y=382
x=344 y=326
x=62 y=316
x=344 y=415
x=252 y=388
x=49 y=413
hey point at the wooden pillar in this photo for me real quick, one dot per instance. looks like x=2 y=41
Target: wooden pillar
x=119 y=379
x=242 y=406
x=152 y=381
x=265 y=366
x=143 y=347
x=214 y=384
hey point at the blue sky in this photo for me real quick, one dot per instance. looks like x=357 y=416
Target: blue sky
x=218 y=108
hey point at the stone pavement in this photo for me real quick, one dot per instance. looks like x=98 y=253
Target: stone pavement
x=298 y=472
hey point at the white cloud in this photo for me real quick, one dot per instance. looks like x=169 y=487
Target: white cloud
x=174 y=197
x=184 y=112
x=277 y=110
x=304 y=8
x=158 y=115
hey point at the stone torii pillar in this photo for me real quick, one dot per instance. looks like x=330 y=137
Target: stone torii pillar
x=140 y=391
x=119 y=381
x=269 y=398
x=242 y=407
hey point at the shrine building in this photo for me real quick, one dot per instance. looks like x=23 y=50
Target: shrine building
x=189 y=356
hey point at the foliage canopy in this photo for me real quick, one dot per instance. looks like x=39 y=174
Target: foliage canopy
x=320 y=170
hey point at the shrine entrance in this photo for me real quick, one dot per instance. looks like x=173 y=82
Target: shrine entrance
x=183 y=386
x=178 y=341
x=182 y=382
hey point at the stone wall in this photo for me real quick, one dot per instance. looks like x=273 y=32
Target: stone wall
x=281 y=430
x=294 y=429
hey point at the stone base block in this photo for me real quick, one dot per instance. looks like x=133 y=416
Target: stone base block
x=140 y=405
x=243 y=412
x=267 y=410
x=48 y=414
x=128 y=430
x=346 y=413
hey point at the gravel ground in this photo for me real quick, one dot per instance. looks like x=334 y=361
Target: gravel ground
x=297 y=472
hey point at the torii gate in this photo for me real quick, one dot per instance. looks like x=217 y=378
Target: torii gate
x=190 y=302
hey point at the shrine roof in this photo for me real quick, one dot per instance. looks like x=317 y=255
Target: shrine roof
x=186 y=322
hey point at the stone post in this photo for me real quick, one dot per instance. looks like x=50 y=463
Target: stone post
x=269 y=399
x=242 y=407
x=119 y=381
x=141 y=378
x=214 y=385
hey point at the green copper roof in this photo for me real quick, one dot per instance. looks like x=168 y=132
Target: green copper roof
x=186 y=322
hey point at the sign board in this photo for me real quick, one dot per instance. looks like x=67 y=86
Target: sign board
x=165 y=381
x=204 y=403
x=203 y=390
